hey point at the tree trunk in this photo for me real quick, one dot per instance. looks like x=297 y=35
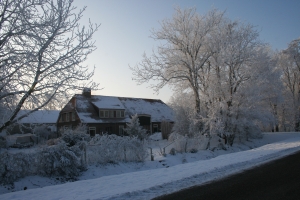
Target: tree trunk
x=297 y=126
x=276 y=128
x=197 y=100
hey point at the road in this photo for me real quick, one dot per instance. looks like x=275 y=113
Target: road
x=279 y=179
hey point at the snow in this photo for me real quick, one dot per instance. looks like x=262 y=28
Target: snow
x=165 y=174
x=86 y=117
x=40 y=116
x=156 y=136
x=107 y=102
x=87 y=113
x=156 y=108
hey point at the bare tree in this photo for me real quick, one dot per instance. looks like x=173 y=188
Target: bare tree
x=42 y=48
x=184 y=53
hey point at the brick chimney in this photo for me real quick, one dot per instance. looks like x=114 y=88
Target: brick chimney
x=86 y=92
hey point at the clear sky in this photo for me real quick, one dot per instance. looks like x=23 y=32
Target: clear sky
x=126 y=24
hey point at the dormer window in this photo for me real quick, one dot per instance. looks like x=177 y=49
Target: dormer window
x=120 y=114
x=111 y=114
x=101 y=113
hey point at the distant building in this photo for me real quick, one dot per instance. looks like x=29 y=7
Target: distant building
x=47 y=118
x=108 y=114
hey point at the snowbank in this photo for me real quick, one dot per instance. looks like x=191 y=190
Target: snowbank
x=151 y=183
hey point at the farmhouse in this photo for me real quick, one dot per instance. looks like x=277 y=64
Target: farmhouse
x=109 y=114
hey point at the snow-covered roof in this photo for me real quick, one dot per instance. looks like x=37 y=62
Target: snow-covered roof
x=107 y=102
x=158 y=110
x=39 y=116
x=87 y=108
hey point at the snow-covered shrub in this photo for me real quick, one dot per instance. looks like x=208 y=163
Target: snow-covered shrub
x=173 y=151
x=184 y=144
x=155 y=136
x=73 y=137
x=135 y=150
x=134 y=129
x=180 y=142
x=235 y=124
x=3 y=142
x=196 y=125
x=15 y=166
x=182 y=119
x=60 y=160
x=53 y=141
x=193 y=150
x=112 y=149
x=42 y=132
x=187 y=120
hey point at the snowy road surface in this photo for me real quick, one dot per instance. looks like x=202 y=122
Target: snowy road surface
x=152 y=183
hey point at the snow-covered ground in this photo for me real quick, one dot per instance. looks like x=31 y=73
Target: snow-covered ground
x=164 y=175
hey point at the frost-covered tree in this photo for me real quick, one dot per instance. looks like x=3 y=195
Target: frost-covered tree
x=134 y=129
x=183 y=54
x=240 y=71
x=42 y=48
x=272 y=92
x=182 y=106
x=222 y=63
x=289 y=63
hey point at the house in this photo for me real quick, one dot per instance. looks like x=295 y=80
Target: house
x=37 y=126
x=46 y=118
x=109 y=114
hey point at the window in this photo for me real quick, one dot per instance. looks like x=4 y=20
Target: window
x=155 y=128
x=68 y=117
x=101 y=113
x=73 y=116
x=111 y=114
x=92 y=131
x=121 y=129
x=120 y=113
x=63 y=117
x=106 y=113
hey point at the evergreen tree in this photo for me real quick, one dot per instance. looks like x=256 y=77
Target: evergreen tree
x=134 y=128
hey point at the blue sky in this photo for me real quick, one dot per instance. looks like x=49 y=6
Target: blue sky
x=126 y=24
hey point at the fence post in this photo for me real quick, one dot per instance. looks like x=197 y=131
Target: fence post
x=151 y=154
x=85 y=154
x=125 y=154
